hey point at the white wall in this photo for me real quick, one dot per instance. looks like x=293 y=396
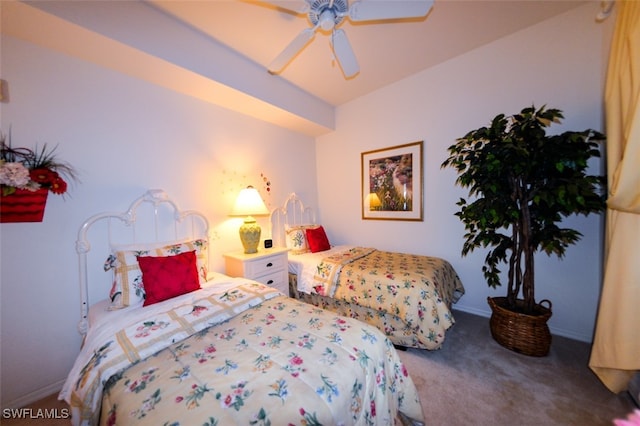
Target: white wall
x=559 y=63
x=124 y=136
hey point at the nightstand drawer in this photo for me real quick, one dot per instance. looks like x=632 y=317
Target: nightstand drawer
x=275 y=279
x=265 y=265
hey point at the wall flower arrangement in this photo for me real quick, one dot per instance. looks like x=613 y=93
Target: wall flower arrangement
x=23 y=168
x=26 y=177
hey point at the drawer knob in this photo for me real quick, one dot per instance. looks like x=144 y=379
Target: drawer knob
x=269 y=265
x=269 y=282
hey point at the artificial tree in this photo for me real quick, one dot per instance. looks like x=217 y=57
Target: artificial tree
x=522 y=183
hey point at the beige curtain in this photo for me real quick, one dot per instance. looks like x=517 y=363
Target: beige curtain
x=615 y=354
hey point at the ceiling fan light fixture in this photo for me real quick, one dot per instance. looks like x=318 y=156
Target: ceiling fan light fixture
x=336 y=9
x=327 y=15
x=327 y=20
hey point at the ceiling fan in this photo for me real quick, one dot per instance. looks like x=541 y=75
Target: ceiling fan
x=327 y=15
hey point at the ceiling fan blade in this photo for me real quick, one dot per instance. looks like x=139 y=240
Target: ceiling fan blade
x=371 y=10
x=297 y=6
x=291 y=50
x=344 y=54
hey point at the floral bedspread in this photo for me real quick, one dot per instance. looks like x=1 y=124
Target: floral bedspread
x=328 y=270
x=243 y=355
x=413 y=290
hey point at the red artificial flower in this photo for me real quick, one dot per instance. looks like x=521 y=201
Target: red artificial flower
x=58 y=186
x=49 y=179
x=43 y=176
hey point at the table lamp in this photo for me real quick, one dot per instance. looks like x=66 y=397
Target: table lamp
x=249 y=204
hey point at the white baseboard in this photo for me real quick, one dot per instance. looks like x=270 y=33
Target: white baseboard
x=554 y=330
x=474 y=311
x=571 y=335
x=35 y=396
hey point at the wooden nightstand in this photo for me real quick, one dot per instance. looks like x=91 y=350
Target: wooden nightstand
x=268 y=266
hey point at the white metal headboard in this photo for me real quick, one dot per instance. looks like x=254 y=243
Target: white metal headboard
x=292 y=213
x=164 y=222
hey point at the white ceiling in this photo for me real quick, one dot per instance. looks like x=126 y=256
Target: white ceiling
x=386 y=51
x=219 y=50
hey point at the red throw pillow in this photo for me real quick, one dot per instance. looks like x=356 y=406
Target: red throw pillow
x=317 y=239
x=168 y=276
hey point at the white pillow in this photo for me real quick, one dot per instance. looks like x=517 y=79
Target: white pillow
x=128 y=288
x=296 y=238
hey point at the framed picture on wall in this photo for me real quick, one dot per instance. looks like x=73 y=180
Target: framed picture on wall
x=392 y=183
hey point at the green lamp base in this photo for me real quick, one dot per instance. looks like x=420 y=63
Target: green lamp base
x=250 y=235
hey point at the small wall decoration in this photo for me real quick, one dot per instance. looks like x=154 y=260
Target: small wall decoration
x=233 y=181
x=392 y=183
x=267 y=188
x=26 y=177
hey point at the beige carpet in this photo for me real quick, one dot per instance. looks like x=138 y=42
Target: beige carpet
x=472 y=380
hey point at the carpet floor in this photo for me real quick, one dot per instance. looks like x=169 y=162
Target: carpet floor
x=472 y=380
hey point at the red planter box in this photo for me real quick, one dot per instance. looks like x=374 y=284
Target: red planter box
x=23 y=206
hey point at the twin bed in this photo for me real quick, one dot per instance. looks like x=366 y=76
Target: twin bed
x=174 y=343
x=408 y=297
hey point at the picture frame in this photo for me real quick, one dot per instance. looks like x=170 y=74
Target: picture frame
x=392 y=183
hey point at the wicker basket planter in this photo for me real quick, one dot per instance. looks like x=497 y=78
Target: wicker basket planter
x=522 y=333
x=23 y=206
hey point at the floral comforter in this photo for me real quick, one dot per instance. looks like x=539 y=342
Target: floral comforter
x=412 y=294
x=239 y=354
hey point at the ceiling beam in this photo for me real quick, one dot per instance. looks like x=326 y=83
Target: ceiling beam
x=138 y=39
